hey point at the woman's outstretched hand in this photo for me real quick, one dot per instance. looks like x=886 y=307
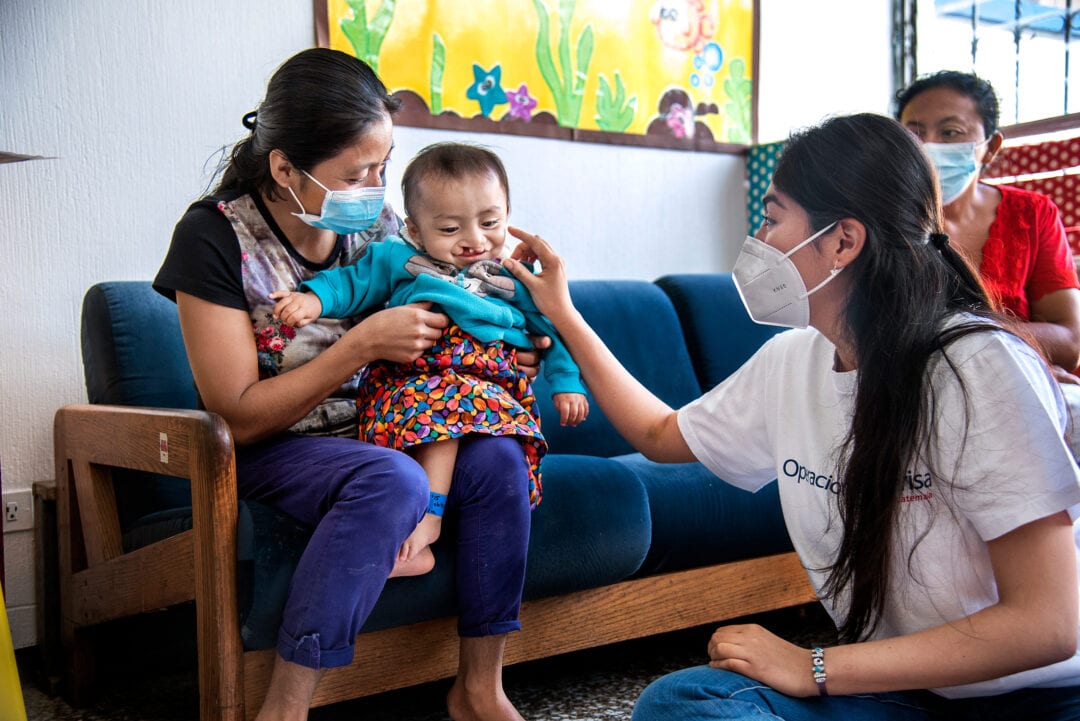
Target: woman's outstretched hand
x=548 y=288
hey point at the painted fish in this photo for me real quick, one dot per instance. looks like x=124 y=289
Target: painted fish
x=683 y=24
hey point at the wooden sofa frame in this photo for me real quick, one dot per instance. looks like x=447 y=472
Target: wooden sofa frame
x=99 y=582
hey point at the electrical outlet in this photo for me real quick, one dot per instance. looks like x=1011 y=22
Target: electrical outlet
x=18 y=507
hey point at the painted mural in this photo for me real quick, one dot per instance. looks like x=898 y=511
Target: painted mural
x=675 y=71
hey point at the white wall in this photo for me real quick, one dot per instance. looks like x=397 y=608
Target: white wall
x=135 y=101
x=822 y=58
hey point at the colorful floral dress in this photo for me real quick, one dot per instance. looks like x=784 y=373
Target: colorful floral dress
x=459 y=386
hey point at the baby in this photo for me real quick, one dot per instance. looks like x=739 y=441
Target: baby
x=457 y=200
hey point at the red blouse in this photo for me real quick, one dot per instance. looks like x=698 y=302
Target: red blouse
x=1027 y=254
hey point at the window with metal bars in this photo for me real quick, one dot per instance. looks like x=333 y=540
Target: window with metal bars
x=1023 y=48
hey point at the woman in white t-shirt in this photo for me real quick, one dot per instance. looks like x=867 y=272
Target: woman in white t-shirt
x=918 y=447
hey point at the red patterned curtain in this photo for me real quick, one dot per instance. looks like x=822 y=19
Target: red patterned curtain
x=1050 y=167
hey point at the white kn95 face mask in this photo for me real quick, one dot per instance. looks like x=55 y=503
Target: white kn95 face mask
x=770 y=285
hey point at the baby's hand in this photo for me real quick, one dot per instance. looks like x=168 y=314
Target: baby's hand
x=573 y=408
x=295 y=308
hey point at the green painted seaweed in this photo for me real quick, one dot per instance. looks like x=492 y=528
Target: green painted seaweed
x=438 y=67
x=367 y=38
x=614 y=112
x=738 y=107
x=569 y=89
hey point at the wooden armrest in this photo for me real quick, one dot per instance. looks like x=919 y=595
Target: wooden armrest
x=90 y=440
x=170 y=441
x=99 y=581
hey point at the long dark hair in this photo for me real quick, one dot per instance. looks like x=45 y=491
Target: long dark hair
x=904 y=285
x=318 y=102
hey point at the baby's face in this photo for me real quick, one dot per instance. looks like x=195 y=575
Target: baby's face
x=460 y=221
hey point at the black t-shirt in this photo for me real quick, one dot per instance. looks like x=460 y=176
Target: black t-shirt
x=204 y=256
x=227 y=250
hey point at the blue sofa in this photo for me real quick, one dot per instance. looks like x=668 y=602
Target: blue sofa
x=621 y=547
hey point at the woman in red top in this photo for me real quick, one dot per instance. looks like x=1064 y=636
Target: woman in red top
x=1014 y=237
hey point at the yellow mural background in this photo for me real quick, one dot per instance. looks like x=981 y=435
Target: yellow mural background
x=503 y=33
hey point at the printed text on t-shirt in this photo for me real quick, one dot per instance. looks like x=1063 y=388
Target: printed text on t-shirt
x=916 y=484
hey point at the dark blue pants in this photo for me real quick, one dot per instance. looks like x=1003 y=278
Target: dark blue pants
x=363 y=501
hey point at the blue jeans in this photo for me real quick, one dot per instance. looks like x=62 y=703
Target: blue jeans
x=363 y=501
x=708 y=694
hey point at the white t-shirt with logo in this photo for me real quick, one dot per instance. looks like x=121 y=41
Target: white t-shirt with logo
x=1000 y=462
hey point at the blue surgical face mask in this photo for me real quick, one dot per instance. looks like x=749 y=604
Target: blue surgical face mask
x=957 y=167
x=344 y=211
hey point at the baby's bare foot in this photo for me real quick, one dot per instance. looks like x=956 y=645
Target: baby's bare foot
x=422 y=562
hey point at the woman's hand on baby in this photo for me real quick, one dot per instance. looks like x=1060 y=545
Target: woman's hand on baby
x=573 y=408
x=528 y=360
x=296 y=308
x=398 y=334
x=548 y=287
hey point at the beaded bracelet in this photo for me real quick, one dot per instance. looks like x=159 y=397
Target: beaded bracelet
x=817 y=657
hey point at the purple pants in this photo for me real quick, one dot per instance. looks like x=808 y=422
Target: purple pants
x=363 y=501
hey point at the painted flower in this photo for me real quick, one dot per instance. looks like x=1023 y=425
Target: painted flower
x=521 y=103
x=487 y=88
x=681 y=121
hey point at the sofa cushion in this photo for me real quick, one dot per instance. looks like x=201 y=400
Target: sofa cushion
x=698 y=519
x=592 y=529
x=719 y=342
x=638 y=323
x=133 y=353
